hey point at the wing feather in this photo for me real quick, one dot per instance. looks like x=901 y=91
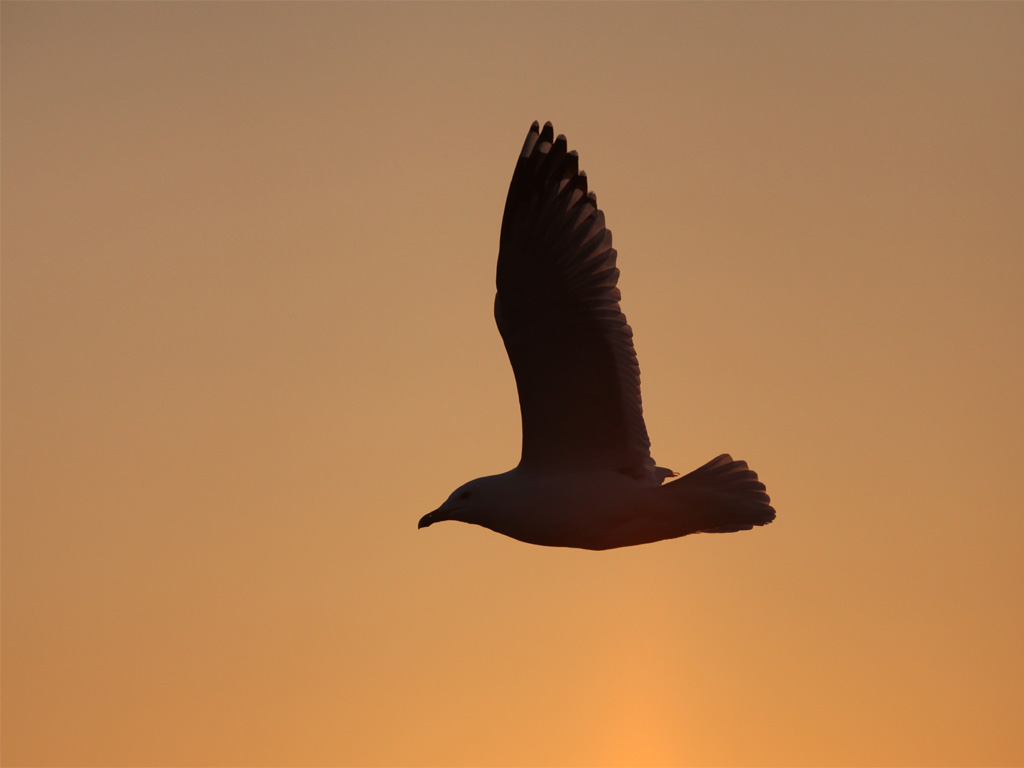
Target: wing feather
x=557 y=310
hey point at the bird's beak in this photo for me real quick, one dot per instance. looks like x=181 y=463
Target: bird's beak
x=437 y=516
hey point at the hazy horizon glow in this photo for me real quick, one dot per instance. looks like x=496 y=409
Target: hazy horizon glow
x=247 y=276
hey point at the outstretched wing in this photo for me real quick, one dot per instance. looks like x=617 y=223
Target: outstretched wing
x=558 y=313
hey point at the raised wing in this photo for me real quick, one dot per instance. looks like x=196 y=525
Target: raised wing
x=558 y=312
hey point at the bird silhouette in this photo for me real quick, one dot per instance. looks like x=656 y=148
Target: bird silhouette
x=586 y=478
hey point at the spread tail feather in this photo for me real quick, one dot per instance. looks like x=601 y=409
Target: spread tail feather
x=726 y=495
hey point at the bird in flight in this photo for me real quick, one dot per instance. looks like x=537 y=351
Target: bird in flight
x=586 y=478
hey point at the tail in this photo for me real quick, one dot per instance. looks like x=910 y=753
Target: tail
x=726 y=496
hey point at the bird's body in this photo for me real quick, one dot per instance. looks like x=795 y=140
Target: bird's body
x=586 y=478
x=591 y=510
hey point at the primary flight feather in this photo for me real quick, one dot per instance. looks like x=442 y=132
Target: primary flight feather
x=586 y=477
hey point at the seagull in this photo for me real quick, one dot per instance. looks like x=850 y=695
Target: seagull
x=585 y=478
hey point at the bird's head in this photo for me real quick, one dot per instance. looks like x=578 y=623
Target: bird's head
x=468 y=503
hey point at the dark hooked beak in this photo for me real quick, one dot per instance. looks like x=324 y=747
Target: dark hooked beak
x=437 y=516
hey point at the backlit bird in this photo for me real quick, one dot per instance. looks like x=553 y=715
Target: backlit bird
x=586 y=477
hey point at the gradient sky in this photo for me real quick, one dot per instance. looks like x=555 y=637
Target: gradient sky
x=248 y=271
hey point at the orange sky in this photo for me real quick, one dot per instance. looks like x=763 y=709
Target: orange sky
x=248 y=265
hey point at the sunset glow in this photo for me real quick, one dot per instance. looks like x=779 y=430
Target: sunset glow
x=248 y=259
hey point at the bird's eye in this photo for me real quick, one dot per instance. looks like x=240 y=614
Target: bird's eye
x=465 y=495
